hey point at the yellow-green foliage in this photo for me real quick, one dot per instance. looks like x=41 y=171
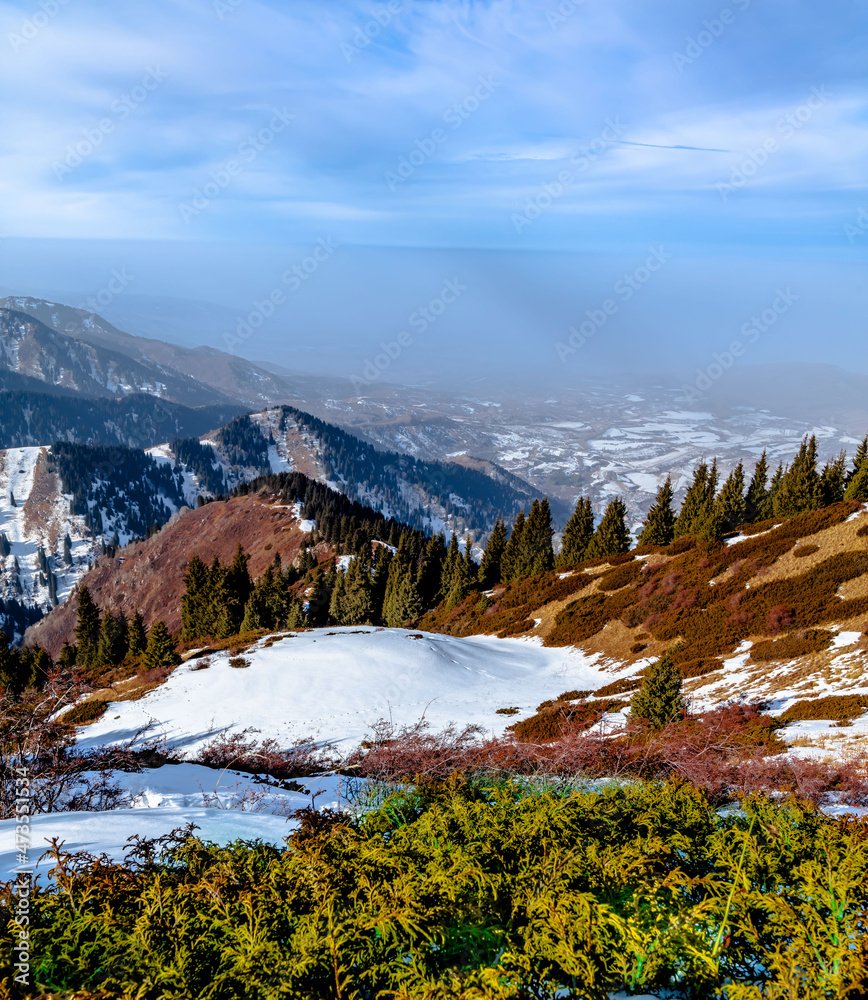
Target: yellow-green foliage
x=85 y=712
x=834 y=706
x=454 y=891
x=812 y=640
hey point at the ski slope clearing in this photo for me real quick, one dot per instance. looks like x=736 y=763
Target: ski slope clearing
x=334 y=684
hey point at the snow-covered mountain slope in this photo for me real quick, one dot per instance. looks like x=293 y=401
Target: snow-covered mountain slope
x=60 y=508
x=334 y=684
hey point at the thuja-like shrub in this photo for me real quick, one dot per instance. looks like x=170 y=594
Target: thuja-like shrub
x=803 y=551
x=620 y=576
x=85 y=712
x=457 y=890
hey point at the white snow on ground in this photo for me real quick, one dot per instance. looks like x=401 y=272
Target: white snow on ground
x=845 y=639
x=107 y=832
x=333 y=684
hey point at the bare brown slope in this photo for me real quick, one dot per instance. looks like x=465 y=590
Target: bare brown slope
x=149 y=576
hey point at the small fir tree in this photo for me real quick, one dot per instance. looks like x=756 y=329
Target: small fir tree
x=512 y=555
x=88 y=628
x=800 y=489
x=537 y=554
x=857 y=487
x=729 y=506
x=431 y=570
x=160 y=651
x=137 y=637
x=659 y=528
x=659 y=700
x=833 y=479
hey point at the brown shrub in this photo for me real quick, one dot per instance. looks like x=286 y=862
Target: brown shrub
x=621 y=686
x=239 y=662
x=85 y=712
x=637 y=647
x=699 y=667
x=512 y=710
x=836 y=706
x=620 y=576
x=517 y=628
x=812 y=640
x=780 y=617
x=680 y=545
x=557 y=719
x=803 y=551
x=573 y=695
x=863 y=531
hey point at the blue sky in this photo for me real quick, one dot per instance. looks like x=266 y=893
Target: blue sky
x=601 y=127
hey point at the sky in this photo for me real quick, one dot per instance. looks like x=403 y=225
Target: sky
x=537 y=153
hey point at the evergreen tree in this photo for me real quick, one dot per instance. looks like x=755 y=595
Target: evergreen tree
x=833 y=479
x=858 y=459
x=68 y=655
x=238 y=587
x=380 y=581
x=137 y=638
x=112 y=646
x=67 y=550
x=450 y=564
x=490 y=566
x=800 y=488
x=88 y=628
x=774 y=488
x=256 y=614
x=698 y=503
x=160 y=651
x=729 y=506
x=295 y=615
x=537 y=554
x=512 y=555
x=463 y=578
x=611 y=537
x=223 y=626
x=577 y=534
x=431 y=570
x=356 y=607
x=659 y=526
x=195 y=604
x=857 y=487
x=757 y=504
x=407 y=605
x=659 y=700
x=336 y=601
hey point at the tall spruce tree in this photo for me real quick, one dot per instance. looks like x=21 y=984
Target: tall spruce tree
x=729 y=506
x=406 y=605
x=698 y=503
x=659 y=700
x=537 y=554
x=800 y=489
x=357 y=593
x=450 y=565
x=577 y=534
x=512 y=555
x=380 y=580
x=137 y=637
x=113 y=643
x=833 y=479
x=431 y=570
x=857 y=486
x=238 y=587
x=195 y=604
x=757 y=506
x=858 y=459
x=659 y=528
x=492 y=559
x=87 y=630
x=611 y=537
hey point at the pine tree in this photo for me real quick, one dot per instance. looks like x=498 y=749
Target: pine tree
x=659 y=526
x=357 y=594
x=577 y=534
x=380 y=581
x=537 y=554
x=696 y=516
x=800 y=489
x=336 y=601
x=774 y=489
x=450 y=563
x=858 y=459
x=88 y=628
x=757 y=504
x=295 y=615
x=407 y=605
x=611 y=537
x=490 y=567
x=659 y=700
x=431 y=570
x=113 y=644
x=255 y=612
x=238 y=587
x=223 y=626
x=833 y=479
x=137 y=638
x=857 y=487
x=160 y=651
x=512 y=554
x=195 y=604
x=729 y=506
x=67 y=549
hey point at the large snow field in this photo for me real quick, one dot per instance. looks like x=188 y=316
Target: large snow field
x=332 y=685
